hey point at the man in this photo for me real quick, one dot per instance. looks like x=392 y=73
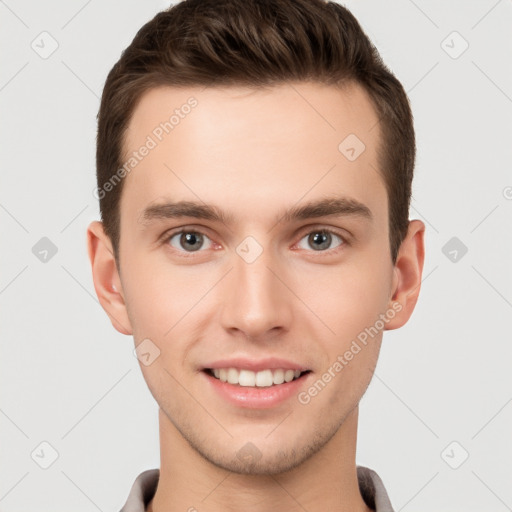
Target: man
x=254 y=165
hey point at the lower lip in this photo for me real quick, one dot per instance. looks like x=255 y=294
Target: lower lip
x=257 y=397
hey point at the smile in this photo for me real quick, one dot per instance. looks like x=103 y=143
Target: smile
x=248 y=378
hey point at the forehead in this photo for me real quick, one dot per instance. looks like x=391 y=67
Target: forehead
x=252 y=149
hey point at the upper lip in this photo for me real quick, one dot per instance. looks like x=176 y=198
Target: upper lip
x=254 y=365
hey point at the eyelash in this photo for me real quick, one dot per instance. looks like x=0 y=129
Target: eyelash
x=166 y=237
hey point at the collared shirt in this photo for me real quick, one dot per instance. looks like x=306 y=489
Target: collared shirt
x=371 y=487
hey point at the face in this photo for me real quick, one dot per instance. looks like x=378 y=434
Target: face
x=252 y=282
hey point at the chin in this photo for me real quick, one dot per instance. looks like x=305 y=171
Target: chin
x=262 y=457
x=261 y=464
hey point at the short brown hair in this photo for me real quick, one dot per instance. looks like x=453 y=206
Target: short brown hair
x=256 y=43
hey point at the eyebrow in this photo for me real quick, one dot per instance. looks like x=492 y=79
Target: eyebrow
x=328 y=207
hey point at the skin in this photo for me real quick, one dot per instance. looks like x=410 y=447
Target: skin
x=254 y=153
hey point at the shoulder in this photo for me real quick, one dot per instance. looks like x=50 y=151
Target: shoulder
x=142 y=491
x=372 y=490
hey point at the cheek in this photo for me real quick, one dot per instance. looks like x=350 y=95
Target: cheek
x=348 y=298
x=160 y=295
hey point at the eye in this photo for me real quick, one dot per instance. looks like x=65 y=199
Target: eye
x=188 y=241
x=321 y=239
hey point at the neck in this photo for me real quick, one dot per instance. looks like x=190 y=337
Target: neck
x=326 y=481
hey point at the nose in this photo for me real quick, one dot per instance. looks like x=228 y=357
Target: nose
x=258 y=305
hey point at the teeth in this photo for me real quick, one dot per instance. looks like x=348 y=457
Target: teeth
x=288 y=375
x=232 y=376
x=264 y=378
x=278 y=376
x=245 y=378
x=248 y=378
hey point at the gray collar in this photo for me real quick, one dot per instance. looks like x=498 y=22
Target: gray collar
x=371 y=487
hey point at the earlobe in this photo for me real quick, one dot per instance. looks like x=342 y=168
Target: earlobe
x=107 y=283
x=407 y=274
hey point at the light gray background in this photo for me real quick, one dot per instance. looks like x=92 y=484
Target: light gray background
x=68 y=378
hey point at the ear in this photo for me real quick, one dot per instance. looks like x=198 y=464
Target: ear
x=407 y=274
x=107 y=282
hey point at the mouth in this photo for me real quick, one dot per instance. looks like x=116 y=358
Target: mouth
x=260 y=379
